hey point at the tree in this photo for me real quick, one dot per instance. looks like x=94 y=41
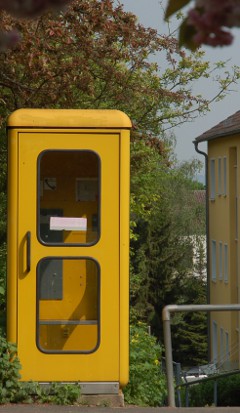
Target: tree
x=189 y=330
x=95 y=55
x=27 y=9
x=163 y=272
x=208 y=22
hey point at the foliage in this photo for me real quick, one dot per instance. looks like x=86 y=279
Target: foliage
x=14 y=391
x=206 y=22
x=113 y=52
x=55 y=393
x=3 y=229
x=9 y=371
x=189 y=330
x=167 y=226
x=147 y=384
x=2 y=286
x=227 y=392
x=24 y=8
x=189 y=208
x=96 y=55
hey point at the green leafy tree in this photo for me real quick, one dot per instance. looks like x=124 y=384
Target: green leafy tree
x=190 y=345
x=168 y=224
x=96 y=55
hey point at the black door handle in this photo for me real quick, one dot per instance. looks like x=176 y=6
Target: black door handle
x=28 y=251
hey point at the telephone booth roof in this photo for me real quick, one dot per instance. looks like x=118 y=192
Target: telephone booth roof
x=69 y=118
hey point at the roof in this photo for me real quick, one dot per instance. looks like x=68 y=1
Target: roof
x=229 y=126
x=68 y=118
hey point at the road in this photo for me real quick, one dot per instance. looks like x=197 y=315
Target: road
x=38 y=408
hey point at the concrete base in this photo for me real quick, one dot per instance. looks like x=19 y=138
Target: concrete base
x=102 y=400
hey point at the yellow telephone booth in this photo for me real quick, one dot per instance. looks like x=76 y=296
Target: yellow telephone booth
x=68 y=245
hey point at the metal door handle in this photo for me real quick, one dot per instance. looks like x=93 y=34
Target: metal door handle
x=28 y=251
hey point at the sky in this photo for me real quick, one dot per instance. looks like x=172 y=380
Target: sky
x=150 y=14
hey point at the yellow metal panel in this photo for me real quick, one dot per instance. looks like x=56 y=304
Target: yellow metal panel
x=124 y=257
x=12 y=260
x=65 y=337
x=106 y=252
x=73 y=118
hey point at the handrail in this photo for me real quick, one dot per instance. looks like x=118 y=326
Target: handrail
x=167 y=310
x=213 y=377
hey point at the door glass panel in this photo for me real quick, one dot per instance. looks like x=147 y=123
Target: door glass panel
x=68 y=197
x=68 y=291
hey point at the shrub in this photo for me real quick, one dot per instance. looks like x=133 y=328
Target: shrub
x=2 y=286
x=60 y=393
x=14 y=391
x=147 y=385
x=9 y=371
x=227 y=392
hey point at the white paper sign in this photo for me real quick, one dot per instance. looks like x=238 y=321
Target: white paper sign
x=68 y=224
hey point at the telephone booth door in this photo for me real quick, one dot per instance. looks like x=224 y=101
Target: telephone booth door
x=67 y=231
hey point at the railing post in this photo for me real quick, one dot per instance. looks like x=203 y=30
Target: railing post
x=215 y=393
x=178 y=382
x=169 y=361
x=187 y=396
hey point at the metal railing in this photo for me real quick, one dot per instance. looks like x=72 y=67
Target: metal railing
x=168 y=341
x=214 y=378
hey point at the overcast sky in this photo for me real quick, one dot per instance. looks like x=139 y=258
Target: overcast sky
x=150 y=14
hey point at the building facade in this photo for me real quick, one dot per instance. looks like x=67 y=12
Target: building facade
x=223 y=180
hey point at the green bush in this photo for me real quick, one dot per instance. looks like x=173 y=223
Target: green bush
x=58 y=393
x=227 y=392
x=2 y=287
x=9 y=371
x=147 y=385
x=14 y=391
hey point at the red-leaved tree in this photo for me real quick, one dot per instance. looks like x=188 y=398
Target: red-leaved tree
x=24 y=9
x=207 y=22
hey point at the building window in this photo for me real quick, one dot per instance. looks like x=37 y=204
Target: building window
x=220 y=261
x=214 y=342
x=236 y=201
x=212 y=179
x=222 y=355
x=227 y=345
x=225 y=262
x=214 y=261
x=224 y=176
x=219 y=176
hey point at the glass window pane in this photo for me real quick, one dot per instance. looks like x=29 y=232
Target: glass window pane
x=68 y=291
x=225 y=176
x=219 y=176
x=220 y=260
x=225 y=262
x=212 y=179
x=68 y=197
x=214 y=260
